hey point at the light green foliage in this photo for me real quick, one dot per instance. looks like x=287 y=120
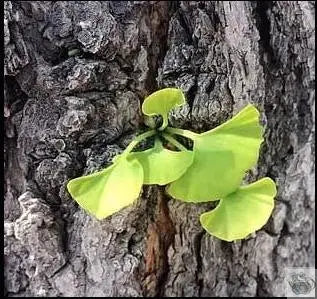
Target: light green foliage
x=161 y=102
x=162 y=166
x=213 y=170
x=241 y=212
x=222 y=156
x=108 y=191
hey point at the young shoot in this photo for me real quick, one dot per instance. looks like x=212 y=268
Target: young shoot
x=212 y=171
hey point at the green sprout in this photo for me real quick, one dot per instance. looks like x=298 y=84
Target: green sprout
x=212 y=171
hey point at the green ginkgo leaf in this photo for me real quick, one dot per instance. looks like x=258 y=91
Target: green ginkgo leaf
x=108 y=191
x=242 y=212
x=162 y=166
x=221 y=158
x=161 y=102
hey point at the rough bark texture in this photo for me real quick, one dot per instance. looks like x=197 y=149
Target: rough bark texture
x=75 y=77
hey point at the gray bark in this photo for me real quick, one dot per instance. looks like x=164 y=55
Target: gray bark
x=68 y=114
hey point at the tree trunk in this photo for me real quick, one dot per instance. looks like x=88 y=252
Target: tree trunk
x=76 y=74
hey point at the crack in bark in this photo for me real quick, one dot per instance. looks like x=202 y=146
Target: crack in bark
x=191 y=95
x=160 y=237
x=199 y=278
x=159 y=41
x=263 y=26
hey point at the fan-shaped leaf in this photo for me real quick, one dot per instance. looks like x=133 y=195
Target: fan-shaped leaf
x=108 y=191
x=162 y=101
x=221 y=158
x=162 y=166
x=242 y=212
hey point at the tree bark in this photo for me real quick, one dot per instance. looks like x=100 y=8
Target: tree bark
x=76 y=74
